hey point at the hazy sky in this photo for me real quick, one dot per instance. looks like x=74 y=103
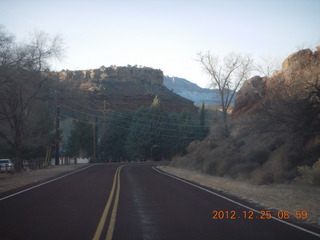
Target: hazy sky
x=165 y=34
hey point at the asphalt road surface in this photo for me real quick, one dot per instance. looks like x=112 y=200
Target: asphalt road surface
x=134 y=201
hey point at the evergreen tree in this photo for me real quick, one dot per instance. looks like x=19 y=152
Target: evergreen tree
x=117 y=133
x=203 y=129
x=80 y=142
x=156 y=102
x=150 y=128
x=154 y=129
x=202 y=115
x=143 y=131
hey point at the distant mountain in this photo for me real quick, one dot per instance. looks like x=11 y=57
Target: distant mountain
x=192 y=91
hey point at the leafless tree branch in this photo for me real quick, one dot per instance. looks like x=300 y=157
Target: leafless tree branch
x=21 y=81
x=227 y=75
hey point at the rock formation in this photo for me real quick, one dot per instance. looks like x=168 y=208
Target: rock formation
x=249 y=96
x=299 y=71
x=126 y=88
x=274 y=134
x=114 y=73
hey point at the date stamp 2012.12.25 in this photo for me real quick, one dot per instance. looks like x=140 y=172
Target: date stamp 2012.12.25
x=264 y=214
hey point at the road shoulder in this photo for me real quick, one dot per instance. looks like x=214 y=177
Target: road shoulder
x=283 y=197
x=13 y=181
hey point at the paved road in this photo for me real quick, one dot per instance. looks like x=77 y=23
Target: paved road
x=134 y=201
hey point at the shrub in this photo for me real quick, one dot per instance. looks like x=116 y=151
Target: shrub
x=277 y=143
x=295 y=159
x=261 y=176
x=239 y=143
x=193 y=146
x=242 y=170
x=258 y=156
x=310 y=175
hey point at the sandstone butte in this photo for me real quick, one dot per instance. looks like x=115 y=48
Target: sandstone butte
x=126 y=88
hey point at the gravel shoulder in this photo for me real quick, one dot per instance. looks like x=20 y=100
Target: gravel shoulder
x=285 y=197
x=10 y=181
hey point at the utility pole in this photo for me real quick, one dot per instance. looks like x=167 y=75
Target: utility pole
x=94 y=157
x=57 y=130
x=104 y=130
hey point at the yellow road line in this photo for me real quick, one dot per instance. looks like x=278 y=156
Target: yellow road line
x=103 y=218
x=114 y=211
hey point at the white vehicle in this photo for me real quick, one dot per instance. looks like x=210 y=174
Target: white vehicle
x=6 y=165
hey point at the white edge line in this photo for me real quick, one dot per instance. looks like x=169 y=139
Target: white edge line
x=240 y=204
x=44 y=183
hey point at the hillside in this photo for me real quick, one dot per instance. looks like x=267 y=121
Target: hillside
x=274 y=131
x=125 y=88
x=134 y=87
x=192 y=91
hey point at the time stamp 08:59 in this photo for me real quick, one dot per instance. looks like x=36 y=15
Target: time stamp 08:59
x=219 y=215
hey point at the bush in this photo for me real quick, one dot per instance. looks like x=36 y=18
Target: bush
x=242 y=170
x=238 y=143
x=310 y=175
x=261 y=176
x=277 y=143
x=258 y=156
x=193 y=146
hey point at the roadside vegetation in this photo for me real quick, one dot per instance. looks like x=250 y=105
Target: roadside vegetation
x=149 y=133
x=273 y=131
x=25 y=121
x=34 y=100
x=153 y=133
x=271 y=134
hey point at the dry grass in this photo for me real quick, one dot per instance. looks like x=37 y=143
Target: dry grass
x=286 y=197
x=12 y=181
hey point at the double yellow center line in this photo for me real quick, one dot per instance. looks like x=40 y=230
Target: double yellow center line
x=115 y=188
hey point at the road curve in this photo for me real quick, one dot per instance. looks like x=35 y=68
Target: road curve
x=131 y=201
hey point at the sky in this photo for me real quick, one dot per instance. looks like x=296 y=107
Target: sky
x=165 y=34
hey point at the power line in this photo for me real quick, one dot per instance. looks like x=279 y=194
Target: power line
x=147 y=119
x=57 y=159
x=142 y=121
x=146 y=124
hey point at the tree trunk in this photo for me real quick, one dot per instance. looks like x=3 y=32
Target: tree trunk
x=17 y=156
x=17 y=144
x=225 y=120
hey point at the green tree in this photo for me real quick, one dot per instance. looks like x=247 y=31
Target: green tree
x=156 y=102
x=203 y=129
x=155 y=133
x=202 y=115
x=141 y=135
x=150 y=127
x=80 y=142
x=117 y=133
x=188 y=130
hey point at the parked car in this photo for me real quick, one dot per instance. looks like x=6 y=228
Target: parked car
x=6 y=165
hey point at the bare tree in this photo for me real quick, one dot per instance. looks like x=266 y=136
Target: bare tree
x=267 y=66
x=42 y=48
x=227 y=75
x=22 y=82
